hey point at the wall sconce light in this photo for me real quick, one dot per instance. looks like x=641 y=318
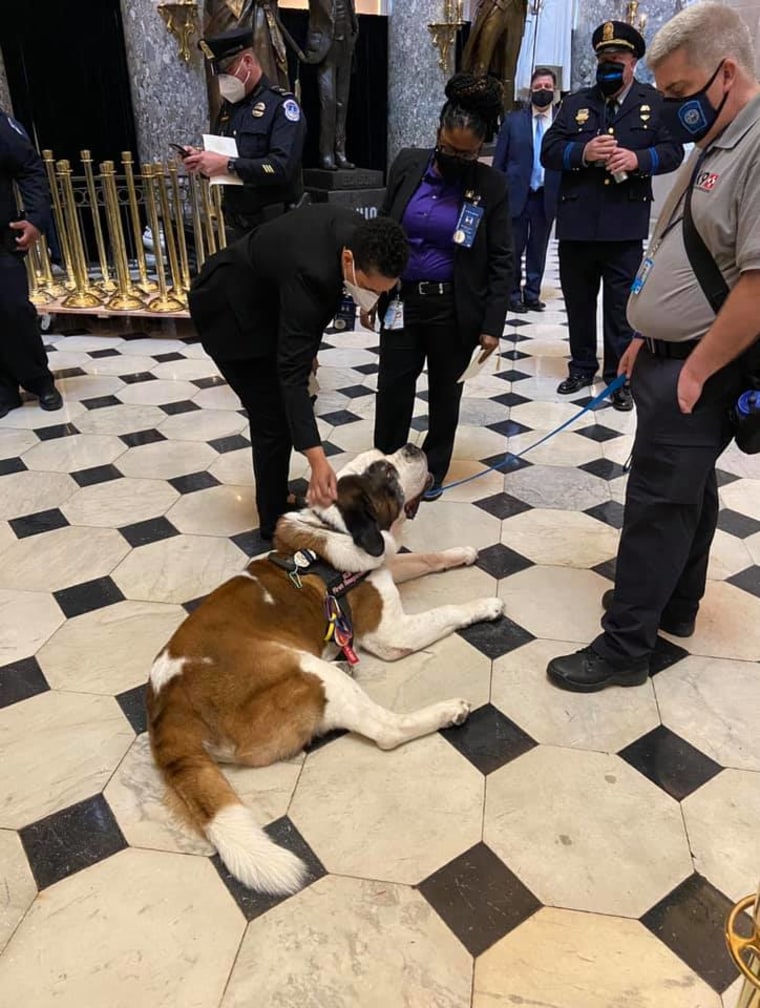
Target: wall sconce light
x=181 y=19
x=632 y=16
x=444 y=32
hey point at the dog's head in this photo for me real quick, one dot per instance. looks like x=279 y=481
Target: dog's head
x=354 y=533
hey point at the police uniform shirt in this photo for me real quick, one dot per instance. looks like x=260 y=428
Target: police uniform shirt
x=20 y=162
x=269 y=129
x=726 y=210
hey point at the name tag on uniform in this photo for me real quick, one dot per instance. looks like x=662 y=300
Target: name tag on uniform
x=468 y=224
x=641 y=277
x=394 y=315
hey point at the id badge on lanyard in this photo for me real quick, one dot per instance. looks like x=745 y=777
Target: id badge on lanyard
x=641 y=277
x=470 y=217
x=394 y=314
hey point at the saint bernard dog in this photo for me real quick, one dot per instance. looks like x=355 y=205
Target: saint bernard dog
x=245 y=678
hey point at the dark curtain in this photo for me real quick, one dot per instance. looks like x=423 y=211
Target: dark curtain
x=68 y=78
x=366 y=130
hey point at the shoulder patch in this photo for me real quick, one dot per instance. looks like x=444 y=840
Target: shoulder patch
x=291 y=110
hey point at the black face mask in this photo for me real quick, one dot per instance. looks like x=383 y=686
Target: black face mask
x=452 y=169
x=690 y=119
x=542 y=98
x=609 y=77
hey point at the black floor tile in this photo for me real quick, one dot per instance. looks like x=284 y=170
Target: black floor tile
x=164 y=358
x=690 y=921
x=77 y=837
x=251 y=543
x=748 y=580
x=339 y=417
x=137 y=377
x=97 y=354
x=502 y=506
x=232 y=443
x=609 y=512
x=506 y=462
x=607 y=569
x=143 y=437
x=254 y=904
x=603 y=468
x=97 y=474
x=419 y=423
x=724 y=478
x=132 y=703
x=367 y=368
x=11 y=465
x=100 y=402
x=514 y=355
x=488 y=739
x=193 y=604
x=71 y=372
x=500 y=561
x=212 y=381
x=598 y=432
x=513 y=375
x=734 y=523
x=665 y=655
x=355 y=391
x=35 y=524
x=55 y=431
x=86 y=597
x=496 y=638
x=194 y=481
x=509 y=428
x=149 y=531
x=184 y=406
x=670 y=762
x=322 y=740
x=510 y=399
x=479 y=898
x=20 y=680
x=330 y=449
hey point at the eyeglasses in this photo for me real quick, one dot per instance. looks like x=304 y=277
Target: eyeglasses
x=468 y=156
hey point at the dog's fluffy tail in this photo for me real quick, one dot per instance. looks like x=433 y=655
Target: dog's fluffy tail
x=212 y=805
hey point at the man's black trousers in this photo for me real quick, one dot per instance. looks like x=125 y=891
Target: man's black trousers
x=582 y=267
x=23 y=360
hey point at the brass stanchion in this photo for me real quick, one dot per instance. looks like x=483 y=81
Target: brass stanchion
x=84 y=296
x=746 y=951
x=107 y=285
x=162 y=303
x=206 y=216
x=195 y=210
x=216 y=195
x=159 y=173
x=37 y=293
x=55 y=290
x=59 y=220
x=179 y=220
x=126 y=298
x=145 y=285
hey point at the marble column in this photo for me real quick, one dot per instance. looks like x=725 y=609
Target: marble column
x=5 y=96
x=415 y=80
x=169 y=96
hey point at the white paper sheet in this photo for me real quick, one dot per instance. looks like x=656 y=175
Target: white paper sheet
x=476 y=365
x=226 y=146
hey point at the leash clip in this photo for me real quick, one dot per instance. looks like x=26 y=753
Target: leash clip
x=295 y=578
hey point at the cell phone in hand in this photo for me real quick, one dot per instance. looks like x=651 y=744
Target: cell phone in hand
x=182 y=151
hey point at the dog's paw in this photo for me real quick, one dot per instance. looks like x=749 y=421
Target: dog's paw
x=456 y=712
x=488 y=609
x=463 y=556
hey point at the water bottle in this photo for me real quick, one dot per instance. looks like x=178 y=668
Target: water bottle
x=746 y=418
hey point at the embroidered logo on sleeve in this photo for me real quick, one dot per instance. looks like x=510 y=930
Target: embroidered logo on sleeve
x=706 y=181
x=291 y=110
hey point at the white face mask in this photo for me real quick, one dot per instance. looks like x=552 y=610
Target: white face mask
x=231 y=88
x=365 y=299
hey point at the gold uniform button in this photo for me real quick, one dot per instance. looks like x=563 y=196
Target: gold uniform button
x=606 y=181
x=611 y=129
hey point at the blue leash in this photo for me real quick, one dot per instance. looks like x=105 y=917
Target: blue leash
x=511 y=457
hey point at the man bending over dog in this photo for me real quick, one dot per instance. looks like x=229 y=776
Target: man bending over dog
x=260 y=307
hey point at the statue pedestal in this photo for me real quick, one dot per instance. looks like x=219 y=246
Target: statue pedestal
x=361 y=189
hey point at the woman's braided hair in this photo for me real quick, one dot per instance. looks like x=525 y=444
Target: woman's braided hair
x=473 y=103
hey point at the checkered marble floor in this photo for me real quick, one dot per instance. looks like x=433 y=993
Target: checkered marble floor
x=557 y=850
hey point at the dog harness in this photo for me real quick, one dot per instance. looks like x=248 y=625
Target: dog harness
x=338 y=583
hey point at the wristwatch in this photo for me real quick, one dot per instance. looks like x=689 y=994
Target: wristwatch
x=232 y=166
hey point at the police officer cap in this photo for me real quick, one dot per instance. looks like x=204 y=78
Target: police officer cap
x=222 y=47
x=617 y=35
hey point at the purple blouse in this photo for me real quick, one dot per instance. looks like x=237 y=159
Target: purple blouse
x=430 y=221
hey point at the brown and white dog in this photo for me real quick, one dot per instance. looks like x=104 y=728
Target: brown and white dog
x=244 y=679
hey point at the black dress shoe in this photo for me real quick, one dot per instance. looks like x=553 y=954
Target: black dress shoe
x=535 y=305
x=574 y=383
x=518 y=307
x=587 y=672
x=676 y=628
x=50 y=399
x=622 y=399
x=6 y=407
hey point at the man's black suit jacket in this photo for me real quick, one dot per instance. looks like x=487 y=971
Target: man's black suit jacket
x=272 y=294
x=483 y=273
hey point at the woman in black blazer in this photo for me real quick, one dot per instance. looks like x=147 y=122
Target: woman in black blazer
x=454 y=293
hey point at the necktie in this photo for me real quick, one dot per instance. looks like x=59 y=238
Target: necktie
x=612 y=107
x=537 y=175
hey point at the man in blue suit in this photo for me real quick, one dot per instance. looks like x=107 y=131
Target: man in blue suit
x=533 y=189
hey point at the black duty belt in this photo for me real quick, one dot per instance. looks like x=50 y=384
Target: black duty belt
x=427 y=288
x=665 y=348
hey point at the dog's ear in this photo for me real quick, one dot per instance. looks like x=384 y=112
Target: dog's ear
x=361 y=521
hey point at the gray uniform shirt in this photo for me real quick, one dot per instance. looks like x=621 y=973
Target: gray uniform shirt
x=726 y=209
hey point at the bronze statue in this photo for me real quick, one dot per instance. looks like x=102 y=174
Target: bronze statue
x=330 y=43
x=268 y=40
x=494 y=42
